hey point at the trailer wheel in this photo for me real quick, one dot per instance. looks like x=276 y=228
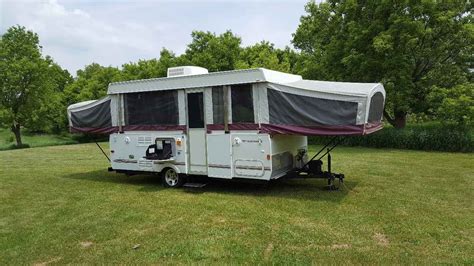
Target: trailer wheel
x=172 y=179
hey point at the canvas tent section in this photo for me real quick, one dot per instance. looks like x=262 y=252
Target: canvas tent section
x=94 y=116
x=154 y=110
x=309 y=107
x=255 y=99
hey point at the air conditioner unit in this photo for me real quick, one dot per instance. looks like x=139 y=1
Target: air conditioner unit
x=186 y=71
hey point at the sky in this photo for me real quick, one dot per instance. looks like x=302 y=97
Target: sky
x=77 y=33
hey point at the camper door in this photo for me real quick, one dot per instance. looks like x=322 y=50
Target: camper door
x=196 y=132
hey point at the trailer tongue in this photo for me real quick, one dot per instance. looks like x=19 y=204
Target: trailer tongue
x=314 y=167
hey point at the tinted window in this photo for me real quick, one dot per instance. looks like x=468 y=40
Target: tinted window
x=151 y=108
x=218 y=105
x=242 y=104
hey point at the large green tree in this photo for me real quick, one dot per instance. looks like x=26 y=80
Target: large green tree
x=214 y=52
x=91 y=83
x=51 y=115
x=454 y=105
x=26 y=82
x=153 y=68
x=264 y=54
x=410 y=46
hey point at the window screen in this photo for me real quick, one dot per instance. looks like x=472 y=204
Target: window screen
x=292 y=109
x=242 y=104
x=151 y=108
x=376 y=108
x=218 y=105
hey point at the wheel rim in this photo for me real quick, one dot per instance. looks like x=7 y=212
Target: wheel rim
x=171 y=177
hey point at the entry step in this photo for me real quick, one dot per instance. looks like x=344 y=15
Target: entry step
x=194 y=185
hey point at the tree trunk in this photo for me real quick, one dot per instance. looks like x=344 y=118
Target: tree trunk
x=16 y=130
x=400 y=120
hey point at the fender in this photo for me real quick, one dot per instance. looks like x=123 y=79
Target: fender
x=170 y=165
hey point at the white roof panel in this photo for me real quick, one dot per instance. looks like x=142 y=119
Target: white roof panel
x=341 y=88
x=203 y=80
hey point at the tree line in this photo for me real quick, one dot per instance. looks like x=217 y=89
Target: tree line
x=421 y=51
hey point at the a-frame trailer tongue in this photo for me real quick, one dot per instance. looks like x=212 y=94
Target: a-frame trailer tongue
x=313 y=168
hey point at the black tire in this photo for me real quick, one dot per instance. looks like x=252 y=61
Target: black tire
x=171 y=178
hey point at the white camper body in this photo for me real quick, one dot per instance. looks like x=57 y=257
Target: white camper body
x=249 y=124
x=249 y=155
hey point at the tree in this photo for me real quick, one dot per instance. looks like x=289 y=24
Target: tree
x=152 y=68
x=216 y=53
x=455 y=105
x=143 y=69
x=263 y=54
x=25 y=83
x=91 y=83
x=399 y=43
x=51 y=115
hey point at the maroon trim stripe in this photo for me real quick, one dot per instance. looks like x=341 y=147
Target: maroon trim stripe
x=173 y=163
x=346 y=130
x=239 y=126
x=154 y=127
x=219 y=166
x=125 y=161
x=110 y=130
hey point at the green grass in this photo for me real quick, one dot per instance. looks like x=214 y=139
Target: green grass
x=7 y=139
x=60 y=205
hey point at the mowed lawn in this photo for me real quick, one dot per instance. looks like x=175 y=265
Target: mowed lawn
x=60 y=205
x=7 y=140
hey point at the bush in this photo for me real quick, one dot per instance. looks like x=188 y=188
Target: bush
x=427 y=136
x=453 y=105
x=87 y=138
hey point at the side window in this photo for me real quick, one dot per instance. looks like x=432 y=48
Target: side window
x=218 y=105
x=376 y=108
x=242 y=104
x=151 y=108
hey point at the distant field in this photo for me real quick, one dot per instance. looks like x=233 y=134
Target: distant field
x=7 y=139
x=60 y=205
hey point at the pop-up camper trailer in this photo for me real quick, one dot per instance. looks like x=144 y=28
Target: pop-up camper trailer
x=249 y=124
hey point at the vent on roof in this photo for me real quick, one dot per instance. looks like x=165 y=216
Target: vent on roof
x=186 y=71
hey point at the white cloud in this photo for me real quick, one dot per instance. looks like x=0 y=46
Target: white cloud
x=78 y=33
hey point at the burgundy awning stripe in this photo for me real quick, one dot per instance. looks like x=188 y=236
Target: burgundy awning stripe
x=346 y=130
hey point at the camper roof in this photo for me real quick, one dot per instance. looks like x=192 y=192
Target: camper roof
x=335 y=87
x=203 y=80
x=242 y=77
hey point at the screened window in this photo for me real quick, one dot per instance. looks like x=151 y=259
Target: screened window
x=376 y=108
x=292 y=109
x=242 y=104
x=218 y=105
x=151 y=108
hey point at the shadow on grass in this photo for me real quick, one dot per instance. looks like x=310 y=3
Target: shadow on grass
x=111 y=177
x=307 y=189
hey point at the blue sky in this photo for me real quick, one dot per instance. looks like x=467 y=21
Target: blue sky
x=77 y=33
